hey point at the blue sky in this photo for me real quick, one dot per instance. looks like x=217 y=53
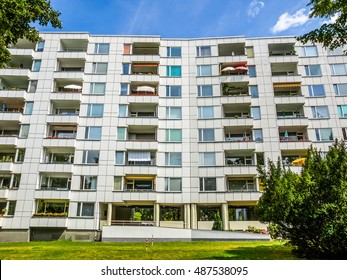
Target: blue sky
x=186 y=18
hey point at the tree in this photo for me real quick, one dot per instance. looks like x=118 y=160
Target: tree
x=309 y=209
x=331 y=34
x=16 y=17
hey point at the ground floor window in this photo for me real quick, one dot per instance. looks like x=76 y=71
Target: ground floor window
x=171 y=213
x=52 y=208
x=242 y=213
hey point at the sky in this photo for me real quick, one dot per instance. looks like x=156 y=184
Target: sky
x=186 y=18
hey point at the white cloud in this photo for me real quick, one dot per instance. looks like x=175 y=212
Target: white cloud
x=332 y=19
x=287 y=21
x=254 y=8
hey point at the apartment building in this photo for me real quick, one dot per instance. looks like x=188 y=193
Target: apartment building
x=102 y=131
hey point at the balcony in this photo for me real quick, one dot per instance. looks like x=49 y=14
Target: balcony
x=62 y=131
x=282 y=49
x=142 y=110
x=287 y=90
x=73 y=45
x=9 y=132
x=232 y=49
x=141 y=68
x=141 y=183
x=142 y=133
x=68 y=85
x=293 y=134
x=5 y=180
x=241 y=184
x=238 y=134
x=65 y=108
x=285 y=73
x=145 y=48
x=144 y=89
x=23 y=44
x=291 y=157
x=54 y=182
x=140 y=158
x=234 y=72
x=235 y=89
x=70 y=65
x=10 y=85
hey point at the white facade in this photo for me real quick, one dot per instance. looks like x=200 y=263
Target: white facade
x=119 y=130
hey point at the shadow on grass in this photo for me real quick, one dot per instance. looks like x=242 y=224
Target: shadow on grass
x=258 y=253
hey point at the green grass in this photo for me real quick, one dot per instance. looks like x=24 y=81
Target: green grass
x=68 y=250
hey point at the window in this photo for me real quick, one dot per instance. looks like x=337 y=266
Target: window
x=88 y=182
x=102 y=48
x=252 y=72
x=124 y=89
x=173 y=71
x=174 y=113
x=126 y=48
x=99 y=68
x=204 y=70
x=344 y=132
x=52 y=207
x=40 y=46
x=28 y=108
x=33 y=86
x=207 y=159
x=85 y=209
x=173 y=184
x=254 y=91
x=95 y=110
x=93 y=133
x=342 y=109
x=97 y=88
x=250 y=52
x=173 y=51
x=5 y=181
x=173 y=91
x=117 y=186
x=313 y=70
x=20 y=155
x=54 y=183
x=24 y=131
x=126 y=68
x=173 y=159
x=203 y=51
x=11 y=207
x=173 y=135
x=208 y=184
x=241 y=184
x=122 y=110
x=255 y=112
x=324 y=134
x=309 y=51
x=120 y=158
x=316 y=90
x=36 y=66
x=205 y=90
x=121 y=133
x=205 y=112
x=319 y=112
x=337 y=51
x=258 y=135
x=340 y=89
x=91 y=157
x=338 y=69
x=206 y=134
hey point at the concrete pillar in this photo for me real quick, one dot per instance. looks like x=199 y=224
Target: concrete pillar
x=193 y=216
x=109 y=213
x=156 y=214
x=225 y=217
x=186 y=216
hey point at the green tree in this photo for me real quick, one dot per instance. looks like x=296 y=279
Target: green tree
x=309 y=209
x=330 y=34
x=16 y=19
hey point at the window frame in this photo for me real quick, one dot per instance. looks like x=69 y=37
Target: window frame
x=98 y=48
x=88 y=132
x=204 y=160
x=169 y=52
x=311 y=91
x=97 y=65
x=202 y=92
x=202 y=184
x=93 y=182
x=86 y=157
x=170 y=161
x=93 y=87
x=201 y=113
x=204 y=70
x=168 y=136
x=169 y=91
x=168 y=184
x=80 y=206
x=202 y=132
x=90 y=110
x=200 y=51
x=169 y=111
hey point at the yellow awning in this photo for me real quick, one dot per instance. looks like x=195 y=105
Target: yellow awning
x=299 y=161
x=287 y=85
x=132 y=177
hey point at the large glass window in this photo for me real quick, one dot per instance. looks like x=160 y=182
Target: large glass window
x=173 y=91
x=342 y=109
x=91 y=157
x=52 y=207
x=255 y=112
x=252 y=71
x=208 y=184
x=33 y=86
x=173 y=51
x=28 y=108
x=11 y=207
x=173 y=71
x=258 y=135
x=173 y=159
x=97 y=88
x=124 y=89
x=24 y=131
x=316 y=90
x=203 y=51
x=174 y=113
x=102 y=48
x=85 y=209
x=313 y=70
x=123 y=110
x=205 y=112
x=207 y=159
x=95 y=110
x=120 y=157
x=173 y=184
x=88 y=182
x=340 y=89
x=126 y=68
x=36 y=66
x=93 y=133
x=173 y=135
x=99 y=68
x=206 y=134
x=324 y=134
x=205 y=90
x=204 y=70
x=121 y=133
x=118 y=183
x=338 y=69
x=309 y=51
x=40 y=46
x=319 y=112
x=254 y=91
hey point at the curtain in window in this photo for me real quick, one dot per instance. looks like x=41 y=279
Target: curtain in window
x=139 y=156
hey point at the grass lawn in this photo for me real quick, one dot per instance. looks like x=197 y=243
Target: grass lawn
x=68 y=250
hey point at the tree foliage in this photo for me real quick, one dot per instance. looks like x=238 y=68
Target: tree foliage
x=309 y=209
x=16 y=19
x=331 y=34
